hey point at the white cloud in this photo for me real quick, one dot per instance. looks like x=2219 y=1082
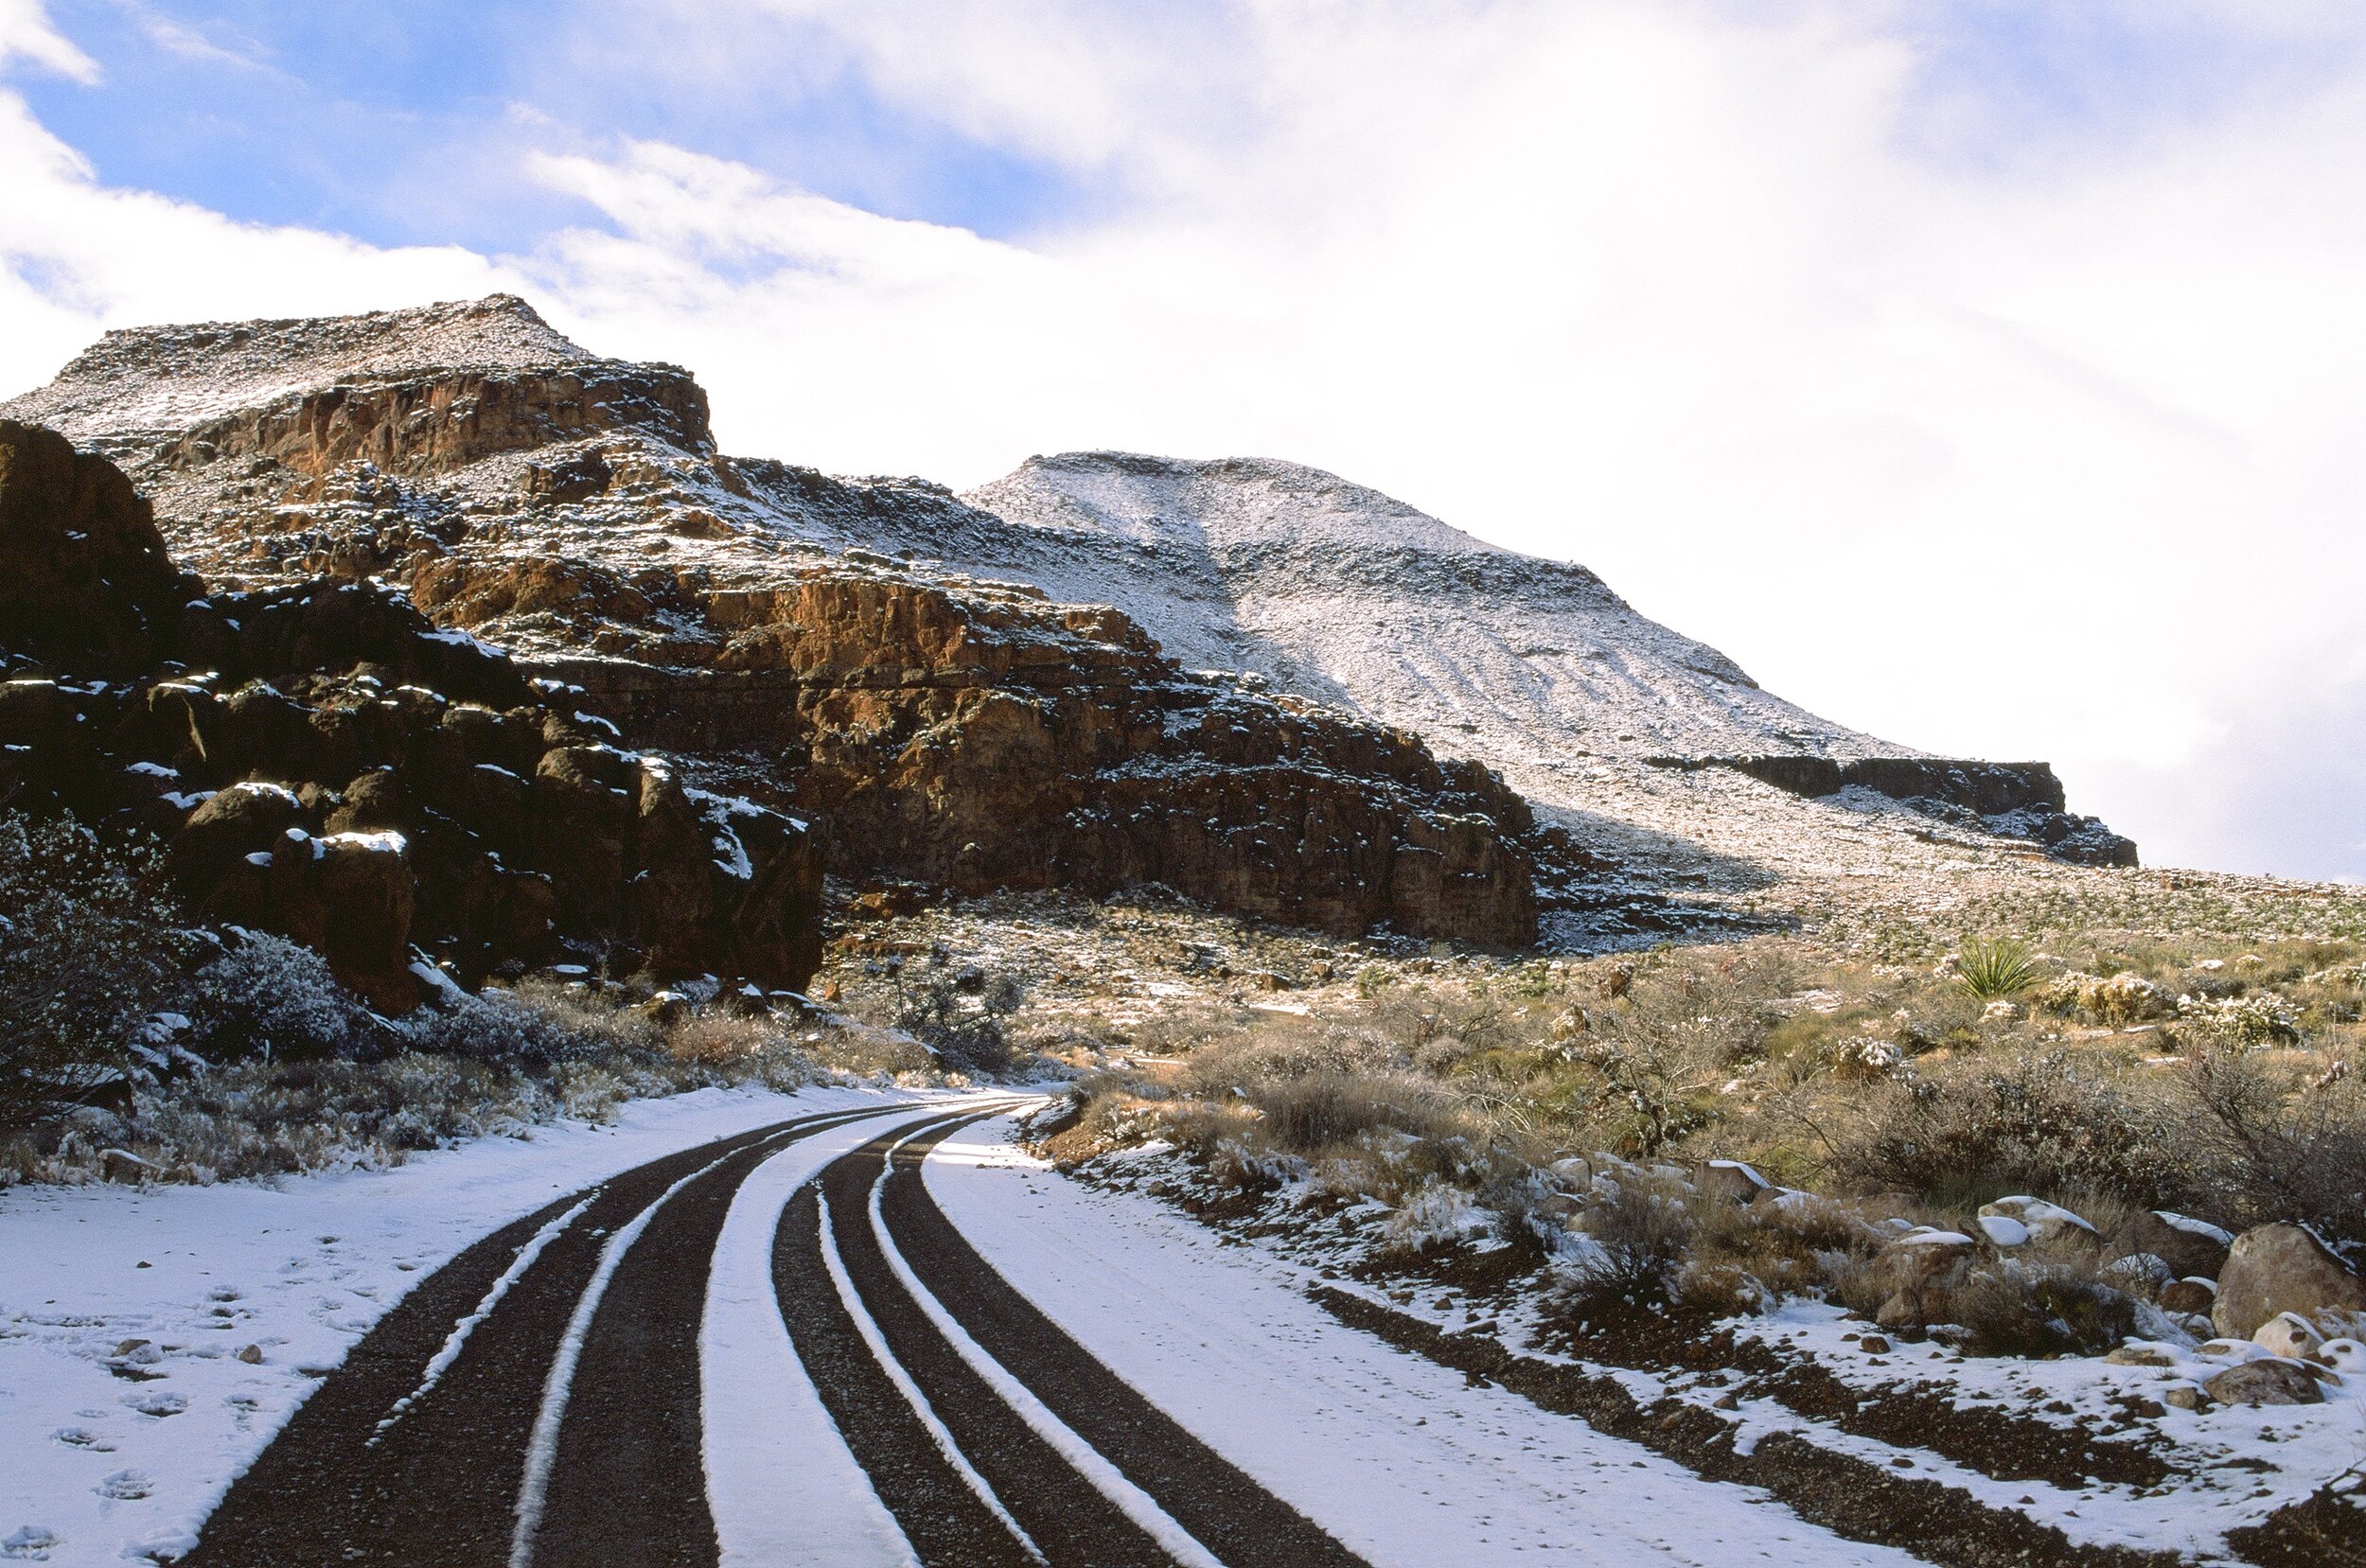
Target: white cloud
x=26 y=33
x=2051 y=455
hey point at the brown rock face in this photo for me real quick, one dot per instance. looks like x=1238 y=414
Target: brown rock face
x=83 y=568
x=430 y=424
x=311 y=782
x=983 y=738
x=2276 y=1269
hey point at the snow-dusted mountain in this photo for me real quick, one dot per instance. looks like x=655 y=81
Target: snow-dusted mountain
x=1339 y=591
x=454 y=445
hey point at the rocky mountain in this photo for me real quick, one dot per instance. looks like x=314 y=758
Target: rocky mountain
x=1267 y=688
x=569 y=518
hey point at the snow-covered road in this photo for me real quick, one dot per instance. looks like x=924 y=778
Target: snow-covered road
x=1403 y=1460
x=751 y=1330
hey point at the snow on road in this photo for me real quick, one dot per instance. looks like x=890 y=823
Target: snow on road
x=1395 y=1456
x=110 y=1449
x=784 y=1491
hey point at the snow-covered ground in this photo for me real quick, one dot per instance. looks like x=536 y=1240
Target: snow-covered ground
x=125 y=1408
x=1400 y=1459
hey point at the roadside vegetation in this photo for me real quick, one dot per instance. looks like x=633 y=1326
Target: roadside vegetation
x=1710 y=1129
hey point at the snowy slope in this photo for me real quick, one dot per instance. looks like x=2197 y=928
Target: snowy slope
x=1339 y=590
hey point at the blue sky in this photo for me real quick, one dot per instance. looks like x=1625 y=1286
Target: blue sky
x=1979 y=373
x=400 y=124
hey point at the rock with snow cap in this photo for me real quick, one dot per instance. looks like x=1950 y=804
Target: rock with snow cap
x=2192 y=1247
x=2044 y=1223
x=1728 y=1181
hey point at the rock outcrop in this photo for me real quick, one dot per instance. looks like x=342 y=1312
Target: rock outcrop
x=324 y=763
x=83 y=568
x=2011 y=799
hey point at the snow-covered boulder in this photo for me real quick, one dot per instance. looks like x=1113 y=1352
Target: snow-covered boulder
x=2043 y=1222
x=2188 y=1245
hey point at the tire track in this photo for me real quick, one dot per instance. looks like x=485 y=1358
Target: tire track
x=439 y=1487
x=942 y=1513
x=1217 y=1503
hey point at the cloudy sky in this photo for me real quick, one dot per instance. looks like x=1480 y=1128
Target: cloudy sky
x=1987 y=374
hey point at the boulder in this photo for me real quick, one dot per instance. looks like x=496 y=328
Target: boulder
x=2281 y=1268
x=2190 y=1246
x=1915 y=1273
x=245 y=819
x=349 y=897
x=1728 y=1181
x=2269 y=1381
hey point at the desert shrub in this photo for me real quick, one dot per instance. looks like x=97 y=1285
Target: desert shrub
x=961 y=1015
x=2242 y=1023
x=271 y=998
x=2011 y=1308
x=1658 y=1050
x=2279 y=1141
x=2031 y=1122
x=1314 y=1111
x=92 y=951
x=2126 y=997
x=1638 y=1230
x=1995 y=969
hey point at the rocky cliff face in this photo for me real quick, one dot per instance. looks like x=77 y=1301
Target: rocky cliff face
x=973 y=734
x=323 y=762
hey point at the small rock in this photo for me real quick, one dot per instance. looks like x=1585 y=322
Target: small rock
x=2045 y=1222
x=2143 y=1352
x=1725 y=1402
x=2003 y=1230
x=2344 y=1355
x=2270 y=1379
x=2189 y=1295
x=2288 y=1334
x=252 y=1355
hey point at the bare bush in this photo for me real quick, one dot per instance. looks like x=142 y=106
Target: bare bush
x=92 y=952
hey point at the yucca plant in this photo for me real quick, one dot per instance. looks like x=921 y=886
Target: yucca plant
x=1995 y=969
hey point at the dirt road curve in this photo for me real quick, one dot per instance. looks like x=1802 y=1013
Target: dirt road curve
x=538 y=1401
